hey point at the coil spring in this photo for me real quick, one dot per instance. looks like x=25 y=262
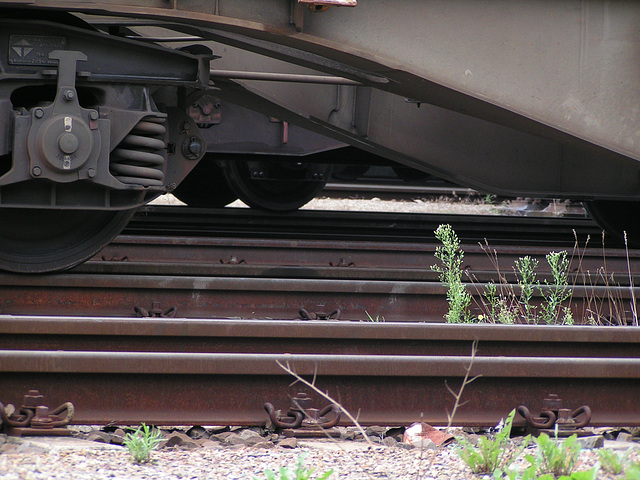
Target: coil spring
x=139 y=159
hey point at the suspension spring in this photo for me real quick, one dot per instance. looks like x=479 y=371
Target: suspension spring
x=139 y=159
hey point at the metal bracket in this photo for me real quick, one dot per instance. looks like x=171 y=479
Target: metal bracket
x=34 y=418
x=155 y=311
x=302 y=416
x=554 y=415
x=319 y=315
x=342 y=263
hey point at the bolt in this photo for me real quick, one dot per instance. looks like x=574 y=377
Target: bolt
x=171 y=186
x=186 y=125
x=36 y=171
x=91 y=172
x=69 y=95
x=195 y=147
x=93 y=115
x=39 y=113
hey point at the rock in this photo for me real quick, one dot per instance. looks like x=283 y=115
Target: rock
x=425 y=444
x=246 y=440
x=404 y=446
x=624 y=437
x=179 y=439
x=375 y=431
x=250 y=434
x=347 y=435
x=221 y=437
x=28 y=449
x=208 y=444
x=118 y=437
x=264 y=444
x=288 y=443
x=197 y=432
x=389 y=441
x=596 y=441
x=98 y=436
x=634 y=431
x=217 y=429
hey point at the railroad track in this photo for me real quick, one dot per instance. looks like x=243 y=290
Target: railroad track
x=207 y=277
x=178 y=371
x=236 y=304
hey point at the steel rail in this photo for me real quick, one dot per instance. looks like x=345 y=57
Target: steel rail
x=374 y=226
x=114 y=383
x=120 y=294
x=346 y=259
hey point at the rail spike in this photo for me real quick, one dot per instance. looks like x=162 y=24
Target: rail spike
x=554 y=415
x=301 y=415
x=35 y=418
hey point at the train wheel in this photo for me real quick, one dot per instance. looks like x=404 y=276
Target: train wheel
x=616 y=217
x=205 y=187
x=38 y=241
x=290 y=187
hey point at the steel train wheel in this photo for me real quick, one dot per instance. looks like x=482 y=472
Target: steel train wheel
x=616 y=217
x=289 y=192
x=205 y=187
x=38 y=241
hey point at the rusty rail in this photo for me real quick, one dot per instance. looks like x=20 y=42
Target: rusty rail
x=167 y=371
x=275 y=278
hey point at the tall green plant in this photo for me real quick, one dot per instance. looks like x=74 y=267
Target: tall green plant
x=557 y=291
x=525 y=268
x=491 y=456
x=450 y=255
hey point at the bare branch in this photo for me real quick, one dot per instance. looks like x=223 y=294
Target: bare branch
x=311 y=385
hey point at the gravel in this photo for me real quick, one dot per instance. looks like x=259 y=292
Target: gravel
x=36 y=458
x=440 y=205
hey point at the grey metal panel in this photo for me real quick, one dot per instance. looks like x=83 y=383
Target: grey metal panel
x=569 y=64
x=565 y=71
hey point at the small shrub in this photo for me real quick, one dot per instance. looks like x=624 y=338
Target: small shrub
x=554 y=457
x=557 y=291
x=450 y=255
x=490 y=456
x=526 y=273
x=300 y=473
x=142 y=442
x=613 y=462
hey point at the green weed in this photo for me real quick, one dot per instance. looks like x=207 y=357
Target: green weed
x=555 y=457
x=142 y=442
x=502 y=304
x=377 y=318
x=300 y=473
x=613 y=462
x=450 y=255
x=526 y=273
x=557 y=291
x=491 y=456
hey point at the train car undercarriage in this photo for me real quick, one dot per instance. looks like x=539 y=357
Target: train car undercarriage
x=106 y=105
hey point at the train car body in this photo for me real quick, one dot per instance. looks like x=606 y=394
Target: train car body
x=105 y=105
